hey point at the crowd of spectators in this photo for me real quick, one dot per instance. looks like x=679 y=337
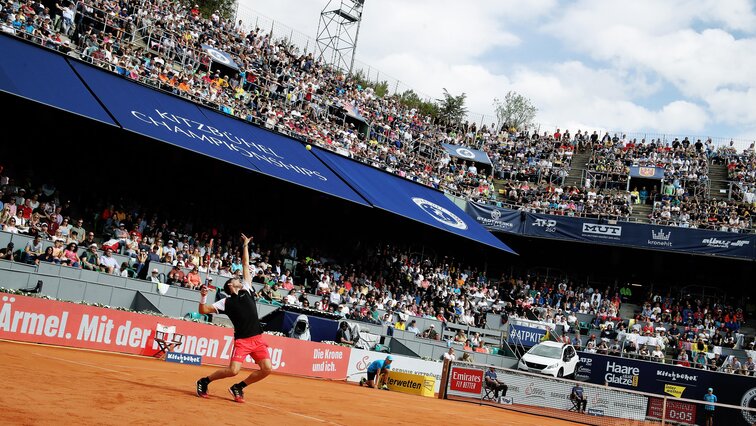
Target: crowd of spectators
x=566 y=200
x=388 y=279
x=683 y=162
x=741 y=169
x=282 y=89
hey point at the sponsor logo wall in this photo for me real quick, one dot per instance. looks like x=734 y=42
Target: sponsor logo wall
x=494 y=218
x=672 y=381
x=526 y=336
x=360 y=359
x=551 y=393
x=29 y=319
x=620 y=233
x=412 y=384
x=465 y=381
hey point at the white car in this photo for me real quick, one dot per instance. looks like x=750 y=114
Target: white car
x=551 y=358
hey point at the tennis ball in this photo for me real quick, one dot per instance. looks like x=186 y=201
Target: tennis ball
x=308 y=147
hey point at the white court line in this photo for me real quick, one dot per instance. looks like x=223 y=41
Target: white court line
x=293 y=413
x=307 y=417
x=81 y=363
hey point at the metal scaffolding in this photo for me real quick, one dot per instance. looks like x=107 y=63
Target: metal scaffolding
x=338 y=29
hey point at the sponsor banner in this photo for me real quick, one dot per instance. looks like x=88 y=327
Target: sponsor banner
x=408 y=199
x=674 y=390
x=183 y=358
x=525 y=336
x=676 y=411
x=360 y=359
x=554 y=393
x=639 y=235
x=411 y=383
x=466 y=153
x=495 y=218
x=465 y=382
x=647 y=172
x=671 y=380
x=189 y=126
x=30 y=319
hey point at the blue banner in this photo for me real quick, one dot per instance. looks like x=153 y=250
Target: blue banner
x=671 y=380
x=525 y=336
x=646 y=172
x=220 y=56
x=42 y=76
x=495 y=218
x=181 y=123
x=665 y=238
x=408 y=199
x=465 y=153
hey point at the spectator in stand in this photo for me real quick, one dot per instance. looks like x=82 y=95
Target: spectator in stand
x=32 y=250
x=90 y=259
x=47 y=256
x=108 y=263
x=412 y=327
x=176 y=276
x=155 y=276
x=449 y=355
x=7 y=252
x=193 y=279
x=657 y=355
x=431 y=333
x=70 y=257
x=10 y=226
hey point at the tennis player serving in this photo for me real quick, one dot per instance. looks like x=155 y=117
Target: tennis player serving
x=241 y=310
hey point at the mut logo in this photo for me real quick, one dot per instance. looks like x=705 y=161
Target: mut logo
x=590 y=228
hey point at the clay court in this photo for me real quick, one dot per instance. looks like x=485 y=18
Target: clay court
x=51 y=385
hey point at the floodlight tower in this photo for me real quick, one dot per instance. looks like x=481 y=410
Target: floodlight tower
x=338 y=29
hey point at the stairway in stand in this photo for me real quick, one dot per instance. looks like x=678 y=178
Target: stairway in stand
x=719 y=185
x=641 y=212
x=579 y=163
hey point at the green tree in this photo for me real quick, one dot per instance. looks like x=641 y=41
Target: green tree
x=381 y=89
x=410 y=99
x=515 y=111
x=452 y=109
x=226 y=8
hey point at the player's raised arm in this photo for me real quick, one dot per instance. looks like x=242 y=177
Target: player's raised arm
x=245 y=259
x=204 y=308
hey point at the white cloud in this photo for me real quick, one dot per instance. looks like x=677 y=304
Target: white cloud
x=667 y=66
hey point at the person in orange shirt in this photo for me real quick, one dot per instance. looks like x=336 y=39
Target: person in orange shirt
x=193 y=279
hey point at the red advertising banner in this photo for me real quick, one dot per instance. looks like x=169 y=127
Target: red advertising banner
x=30 y=319
x=676 y=412
x=466 y=380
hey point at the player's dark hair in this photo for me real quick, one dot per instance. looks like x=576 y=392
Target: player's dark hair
x=226 y=287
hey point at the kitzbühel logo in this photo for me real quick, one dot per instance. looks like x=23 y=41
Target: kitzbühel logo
x=464 y=152
x=440 y=213
x=218 y=55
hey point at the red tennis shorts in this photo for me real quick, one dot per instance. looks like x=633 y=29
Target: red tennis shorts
x=255 y=346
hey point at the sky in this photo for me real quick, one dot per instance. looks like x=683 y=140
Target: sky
x=642 y=66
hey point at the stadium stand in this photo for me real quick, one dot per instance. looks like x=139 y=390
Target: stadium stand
x=290 y=93
x=283 y=90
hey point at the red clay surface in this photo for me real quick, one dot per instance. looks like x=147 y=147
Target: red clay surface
x=51 y=385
